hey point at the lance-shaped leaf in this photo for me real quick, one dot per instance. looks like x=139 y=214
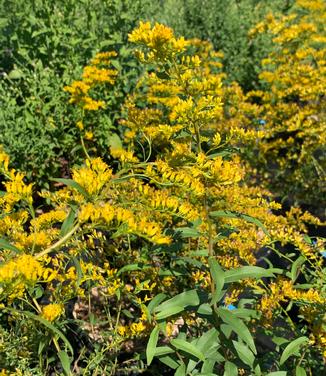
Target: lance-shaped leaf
x=68 y=223
x=177 y=304
x=218 y=277
x=187 y=347
x=151 y=346
x=244 y=272
x=73 y=184
x=237 y=326
x=244 y=353
x=4 y=244
x=248 y=218
x=292 y=348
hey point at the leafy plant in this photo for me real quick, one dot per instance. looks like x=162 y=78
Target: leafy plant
x=166 y=254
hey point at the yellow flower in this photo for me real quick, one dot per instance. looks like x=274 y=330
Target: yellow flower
x=4 y=159
x=122 y=330
x=159 y=39
x=137 y=328
x=51 y=312
x=93 y=176
x=89 y=135
x=22 y=266
x=80 y=125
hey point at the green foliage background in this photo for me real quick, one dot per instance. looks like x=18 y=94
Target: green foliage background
x=44 y=46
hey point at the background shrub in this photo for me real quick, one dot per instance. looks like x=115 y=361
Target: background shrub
x=44 y=45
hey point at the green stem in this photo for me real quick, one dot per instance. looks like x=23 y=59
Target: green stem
x=58 y=243
x=84 y=148
x=197 y=132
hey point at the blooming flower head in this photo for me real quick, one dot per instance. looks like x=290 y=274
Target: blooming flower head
x=159 y=39
x=51 y=312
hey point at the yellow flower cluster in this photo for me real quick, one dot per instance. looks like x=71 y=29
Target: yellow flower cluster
x=48 y=219
x=282 y=291
x=159 y=39
x=188 y=193
x=53 y=311
x=93 y=176
x=164 y=201
x=292 y=105
x=133 y=330
x=24 y=266
x=181 y=177
x=124 y=156
x=133 y=224
x=92 y=76
x=16 y=190
x=20 y=272
x=201 y=278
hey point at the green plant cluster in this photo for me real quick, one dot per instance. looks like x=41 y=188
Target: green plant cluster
x=43 y=46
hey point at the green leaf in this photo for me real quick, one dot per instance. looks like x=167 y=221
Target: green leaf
x=204 y=309
x=208 y=366
x=226 y=330
x=163 y=350
x=128 y=314
x=129 y=268
x=78 y=270
x=6 y=245
x=187 y=347
x=234 y=275
x=188 y=232
x=188 y=260
x=37 y=292
x=169 y=361
x=68 y=223
x=73 y=184
x=238 y=327
x=295 y=267
x=201 y=253
x=151 y=346
x=244 y=353
x=257 y=370
x=292 y=348
x=15 y=74
x=279 y=341
x=181 y=370
x=65 y=362
x=208 y=340
x=230 y=369
x=155 y=302
x=244 y=313
x=299 y=371
x=114 y=141
x=248 y=218
x=192 y=363
x=187 y=298
x=49 y=326
x=169 y=311
x=218 y=278
x=277 y=373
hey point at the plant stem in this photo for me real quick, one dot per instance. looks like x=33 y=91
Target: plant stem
x=58 y=243
x=84 y=148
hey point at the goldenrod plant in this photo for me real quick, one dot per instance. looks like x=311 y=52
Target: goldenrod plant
x=160 y=253
x=291 y=153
